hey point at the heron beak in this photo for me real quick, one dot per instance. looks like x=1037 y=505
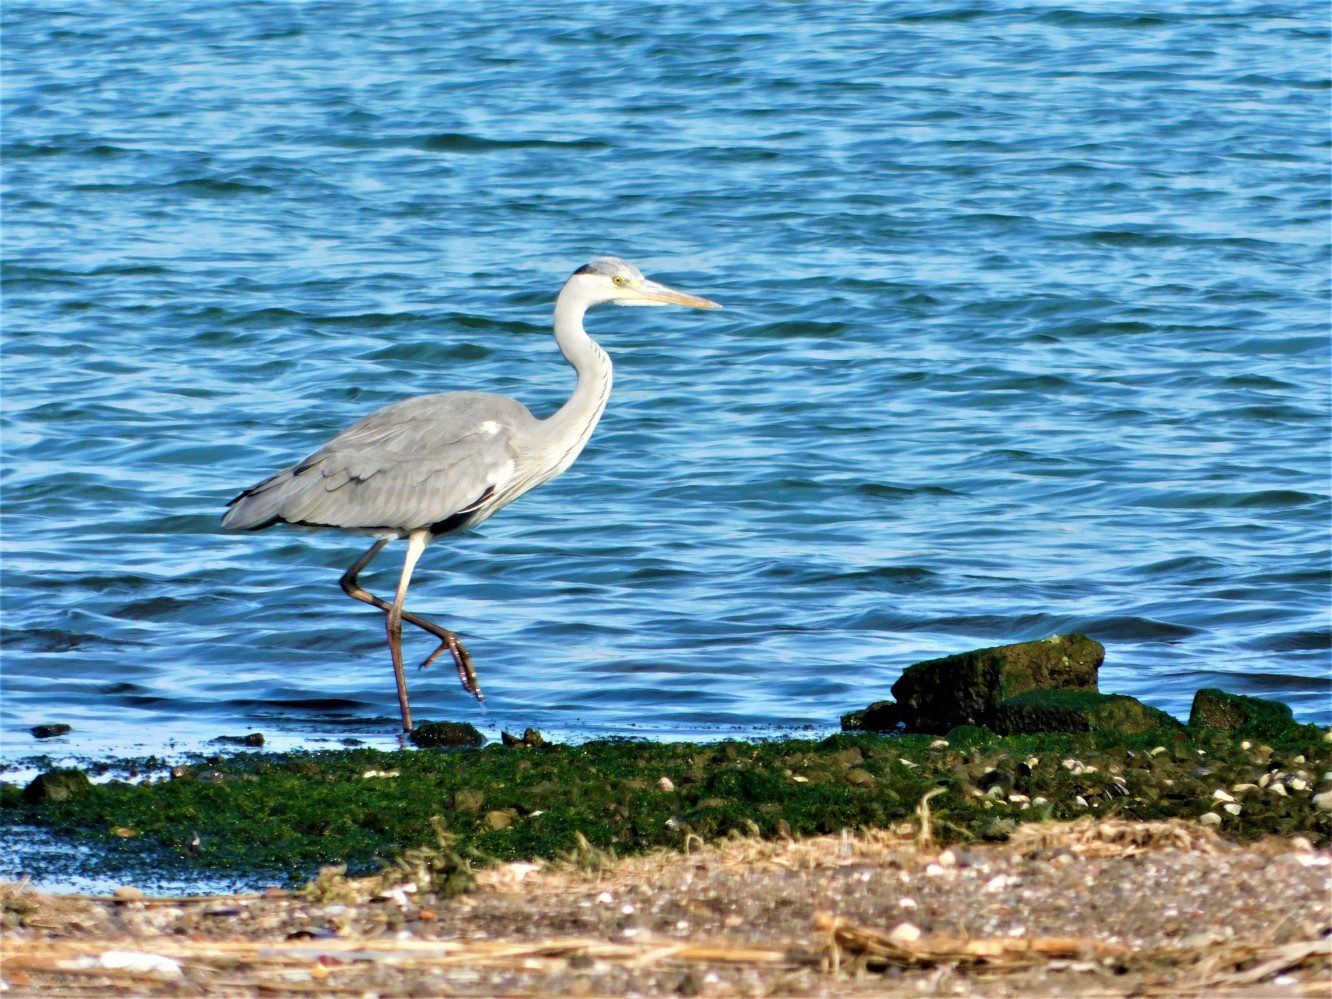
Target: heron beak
x=652 y=293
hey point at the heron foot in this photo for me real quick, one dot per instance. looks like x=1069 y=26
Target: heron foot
x=462 y=659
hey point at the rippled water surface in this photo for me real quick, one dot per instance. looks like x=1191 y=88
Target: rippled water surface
x=1025 y=332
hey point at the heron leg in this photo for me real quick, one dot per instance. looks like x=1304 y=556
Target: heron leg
x=416 y=542
x=447 y=639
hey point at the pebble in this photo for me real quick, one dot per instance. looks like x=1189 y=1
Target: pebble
x=1277 y=788
x=933 y=870
x=1264 y=780
x=937 y=744
x=1210 y=819
x=1233 y=808
x=1298 y=784
x=666 y=784
x=1301 y=845
x=1037 y=802
x=1323 y=802
x=906 y=903
x=948 y=859
x=1080 y=801
x=904 y=933
x=1243 y=788
x=127 y=893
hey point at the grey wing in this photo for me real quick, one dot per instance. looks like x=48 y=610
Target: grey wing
x=430 y=461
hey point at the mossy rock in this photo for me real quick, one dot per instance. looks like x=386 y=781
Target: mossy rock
x=1215 y=709
x=57 y=785
x=429 y=734
x=940 y=694
x=1078 y=711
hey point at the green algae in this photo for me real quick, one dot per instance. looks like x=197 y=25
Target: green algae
x=1078 y=711
x=283 y=816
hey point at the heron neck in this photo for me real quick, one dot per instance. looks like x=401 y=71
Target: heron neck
x=575 y=420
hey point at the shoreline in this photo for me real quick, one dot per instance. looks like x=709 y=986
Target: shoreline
x=277 y=818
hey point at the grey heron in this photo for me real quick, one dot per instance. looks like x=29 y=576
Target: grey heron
x=435 y=464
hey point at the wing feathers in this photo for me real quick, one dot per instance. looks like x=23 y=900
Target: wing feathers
x=406 y=466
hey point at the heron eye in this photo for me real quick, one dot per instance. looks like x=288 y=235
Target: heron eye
x=618 y=279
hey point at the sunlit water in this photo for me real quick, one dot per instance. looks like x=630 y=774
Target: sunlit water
x=1025 y=333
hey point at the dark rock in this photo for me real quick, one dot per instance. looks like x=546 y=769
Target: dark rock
x=255 y=739
x=881 y=716
x=1077 y=711
x=50 y=731
x=530 y=740
x=996 y=778
x=1216 y=709
x=446 y=734
x=940 y=694
x=57 y=785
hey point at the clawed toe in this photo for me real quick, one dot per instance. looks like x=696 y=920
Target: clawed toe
x=443 y=647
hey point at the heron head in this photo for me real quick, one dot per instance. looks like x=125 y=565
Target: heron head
x=610 y=279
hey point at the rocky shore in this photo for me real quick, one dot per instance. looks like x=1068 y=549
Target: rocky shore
x=999 y=819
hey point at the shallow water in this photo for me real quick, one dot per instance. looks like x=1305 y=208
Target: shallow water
x=1025 y=333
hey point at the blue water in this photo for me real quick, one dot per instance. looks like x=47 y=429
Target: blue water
x=1026 y=332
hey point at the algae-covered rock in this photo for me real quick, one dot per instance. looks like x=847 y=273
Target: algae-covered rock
x=1216 y=709
x=429 y=734
x=530 y=739
x=939 y=694
x=1077 y=711
x=57 y=785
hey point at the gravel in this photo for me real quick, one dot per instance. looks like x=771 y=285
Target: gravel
x=1173 y=904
